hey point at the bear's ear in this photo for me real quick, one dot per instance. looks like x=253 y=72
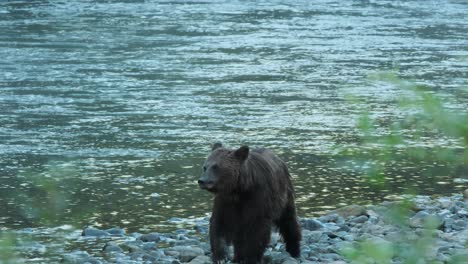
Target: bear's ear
x=242 y=153
x=216 y=145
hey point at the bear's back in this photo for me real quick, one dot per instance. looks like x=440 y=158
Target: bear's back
x=269 y=159
x=271 y=177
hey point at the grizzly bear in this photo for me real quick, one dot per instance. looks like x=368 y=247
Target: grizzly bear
x=253 y=192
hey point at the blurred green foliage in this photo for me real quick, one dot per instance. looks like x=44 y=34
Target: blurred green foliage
x=423 y=115
x=43 y=201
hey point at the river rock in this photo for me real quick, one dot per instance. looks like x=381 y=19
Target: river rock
x=360 y=219
x=289 y=260
x=185 y=242
x=132 y=246
x=323 y=238
x=331 y=226
x=421 y=202
x=453 y=223
x=445 y=202
x=144 y=257
x=280 y=258
x=94 y=232
x=331 y=217
x=151 y=237
x=201 y=260
x=311 y=224
x=112 y=247
x=115 y=231
x=187 y=253
x=329 y=257
x=350 y=210
x=312 y=236
x=274 y=239
x=423 y=218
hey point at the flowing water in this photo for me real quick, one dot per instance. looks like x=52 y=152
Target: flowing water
x=108 y=108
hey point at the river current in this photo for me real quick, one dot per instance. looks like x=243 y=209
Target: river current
x=108 y=108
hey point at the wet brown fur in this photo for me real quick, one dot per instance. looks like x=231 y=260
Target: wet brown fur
x=253 y=193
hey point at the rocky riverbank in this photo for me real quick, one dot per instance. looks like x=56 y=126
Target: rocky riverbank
x=422 y=228
x=435 y=230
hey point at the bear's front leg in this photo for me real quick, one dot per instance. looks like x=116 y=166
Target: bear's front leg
x=218 y=244
x=251 y=243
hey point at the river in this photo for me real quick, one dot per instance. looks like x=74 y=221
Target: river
x=108 y=108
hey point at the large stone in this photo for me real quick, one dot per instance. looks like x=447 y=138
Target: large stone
x=151 y=237
x=201 y=260
x=187 y=253
x=462 y=213
x=305 y=261
x=331 y=226
x=111 y=247
x=311 y=224
x=115 y=231
x=423 y=202
x=187 y=242
x=329 y=257
x=312 y=236
x=94 y=232
x=424 y=219
x=459 y=225
x=331 y=217
x=289 y=260
x=360 y=219
x=350 y=210
x=280 y=258
x=132 y=246
x=445 y=202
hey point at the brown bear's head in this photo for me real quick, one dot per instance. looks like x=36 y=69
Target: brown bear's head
x=222 y=168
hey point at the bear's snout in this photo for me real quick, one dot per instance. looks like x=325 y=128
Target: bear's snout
x=206 y=184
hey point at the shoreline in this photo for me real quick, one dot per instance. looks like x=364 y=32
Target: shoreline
x=436 y=227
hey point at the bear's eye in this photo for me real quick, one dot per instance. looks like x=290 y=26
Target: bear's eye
x=215 y=167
